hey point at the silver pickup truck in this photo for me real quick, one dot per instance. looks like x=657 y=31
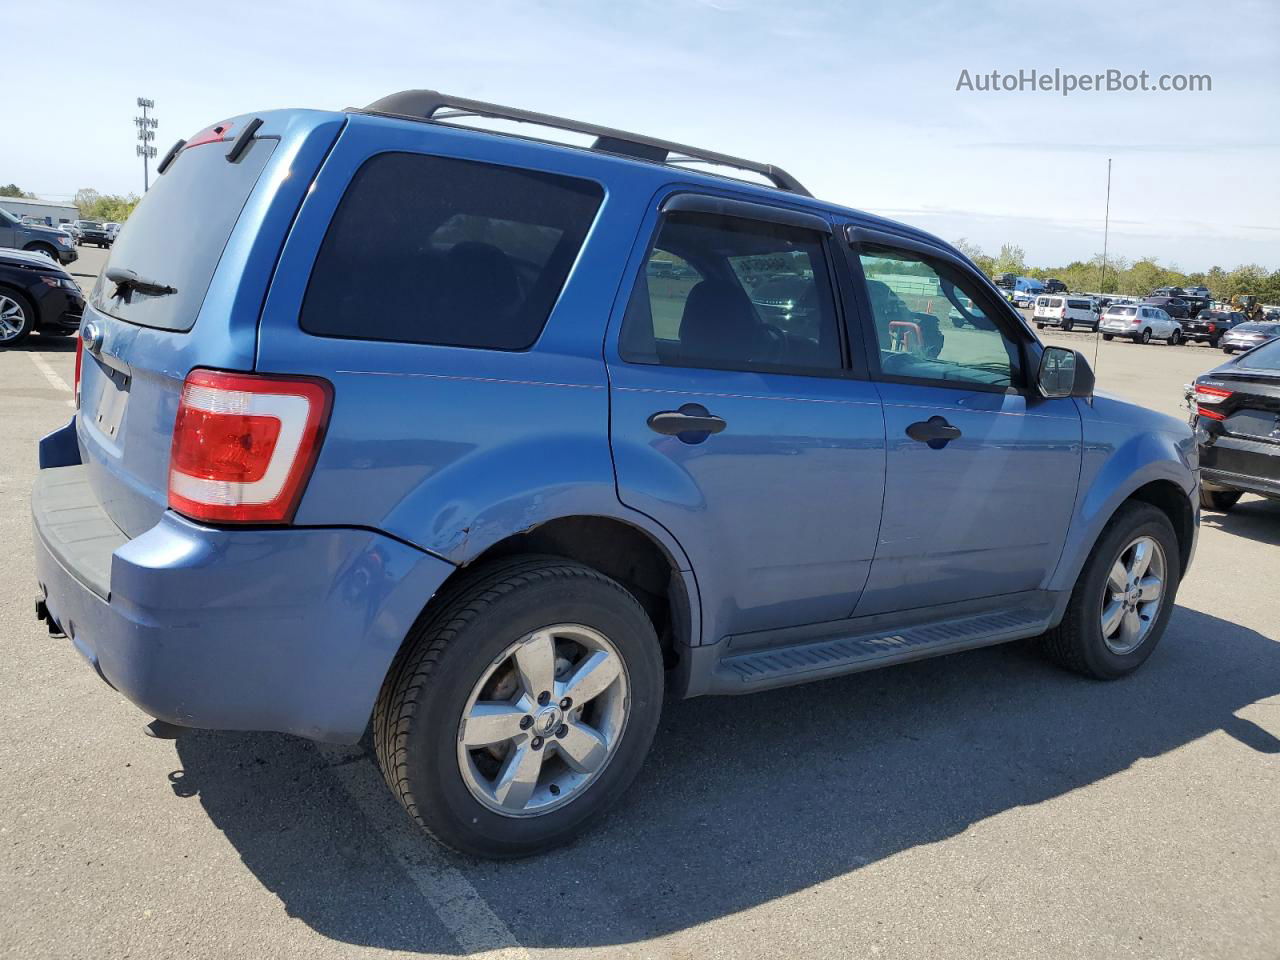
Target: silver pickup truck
x=32 y=236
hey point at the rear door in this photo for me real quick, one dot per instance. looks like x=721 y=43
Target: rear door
x=739 y=419
x=209 y=230
x=981 y=470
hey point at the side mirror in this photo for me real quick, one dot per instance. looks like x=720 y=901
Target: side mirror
x=1064 y=373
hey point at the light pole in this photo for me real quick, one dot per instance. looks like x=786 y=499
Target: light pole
x=146 y=133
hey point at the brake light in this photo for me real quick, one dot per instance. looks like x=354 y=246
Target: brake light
x=79 y=363
x=1210 y=395
x=244 y=445
x=1212 y=327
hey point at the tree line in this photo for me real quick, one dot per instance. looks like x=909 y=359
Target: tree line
x=89 y=203
x=1131 y=277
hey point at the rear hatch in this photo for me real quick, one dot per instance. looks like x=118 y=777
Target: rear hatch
x=183 y=288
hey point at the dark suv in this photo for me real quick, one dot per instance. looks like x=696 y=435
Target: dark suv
x=36 y=238
x=91 y=231
x=494 y=442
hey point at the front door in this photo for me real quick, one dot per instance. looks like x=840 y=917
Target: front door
x=981 y=471
x=738 y=420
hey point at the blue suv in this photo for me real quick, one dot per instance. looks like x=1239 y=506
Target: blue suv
x=489 y=442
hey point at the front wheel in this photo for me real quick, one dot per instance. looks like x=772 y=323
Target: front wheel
x=521 y=707
x=1108 y=336
x=17 y=318
x=1122 y=600
x=1219 y=500
x=1175 y=338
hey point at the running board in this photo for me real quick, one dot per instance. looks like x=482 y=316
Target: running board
x=779 y=666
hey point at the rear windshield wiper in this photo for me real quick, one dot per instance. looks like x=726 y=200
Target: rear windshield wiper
x=126 y=280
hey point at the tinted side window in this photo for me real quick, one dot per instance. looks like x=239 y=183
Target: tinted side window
x=732 y=294
x=453 y=252
x=931 y=326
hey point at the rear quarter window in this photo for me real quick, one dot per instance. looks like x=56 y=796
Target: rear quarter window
x=444 y=251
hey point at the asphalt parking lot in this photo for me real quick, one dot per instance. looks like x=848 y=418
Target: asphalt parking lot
x=982 y=805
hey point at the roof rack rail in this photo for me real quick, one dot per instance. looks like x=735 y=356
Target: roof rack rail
x=433 y=105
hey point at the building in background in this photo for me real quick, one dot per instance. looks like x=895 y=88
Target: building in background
x=51 y=212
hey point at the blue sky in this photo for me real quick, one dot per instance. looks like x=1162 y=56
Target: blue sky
x=857 y=99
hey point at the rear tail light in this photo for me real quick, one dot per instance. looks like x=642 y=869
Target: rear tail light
x=79 y=363
x=1213 y=327
x=244 y=445
x=1210 y=395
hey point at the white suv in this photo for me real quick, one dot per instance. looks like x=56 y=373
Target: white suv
x=1141 y=323
x=1066 y=312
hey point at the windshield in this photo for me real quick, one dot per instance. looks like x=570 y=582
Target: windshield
x=90 y=225
x=177 y=234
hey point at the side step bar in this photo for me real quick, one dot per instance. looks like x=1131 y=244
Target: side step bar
x=778 y=666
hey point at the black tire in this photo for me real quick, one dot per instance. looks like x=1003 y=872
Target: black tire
x=28 y=319
x=416 y=721
x=1077 y=642
x=957 y=322
x=1108 y=336
x=1067 y=326
x=1175 y=338
x=1220 y=500
x=1228 y=351
x=1145 y=336
x=1213 y=342
x=1039 y=326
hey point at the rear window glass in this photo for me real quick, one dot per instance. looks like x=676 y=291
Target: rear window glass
x=453 y=252
x=1123 y=311
x=176 y=235
x=1265 y=357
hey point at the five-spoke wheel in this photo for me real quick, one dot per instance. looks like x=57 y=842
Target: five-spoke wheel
x=1131 y=599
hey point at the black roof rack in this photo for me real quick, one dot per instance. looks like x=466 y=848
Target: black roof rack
x=433 y=105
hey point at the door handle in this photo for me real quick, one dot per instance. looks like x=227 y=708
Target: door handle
x=935 y=431
x=692 y=423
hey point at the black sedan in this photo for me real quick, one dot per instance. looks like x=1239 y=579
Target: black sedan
x=1175 y=307
x=1236 y=416
x=36 y=294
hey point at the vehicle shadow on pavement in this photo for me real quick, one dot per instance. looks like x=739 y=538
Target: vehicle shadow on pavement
x=1252 y=518
x=745 y=800
x=44 y=343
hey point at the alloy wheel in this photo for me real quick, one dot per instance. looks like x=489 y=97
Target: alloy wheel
x=544 y=720
x=1132 y=595
x=13 y=319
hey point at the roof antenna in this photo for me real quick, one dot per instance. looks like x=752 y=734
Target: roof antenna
x=1106 y=230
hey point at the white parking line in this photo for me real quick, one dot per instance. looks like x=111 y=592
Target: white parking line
x=477 y=929
x=51 y=375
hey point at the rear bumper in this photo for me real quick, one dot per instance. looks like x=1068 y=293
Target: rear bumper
x=1238 y=463
x=289 y=630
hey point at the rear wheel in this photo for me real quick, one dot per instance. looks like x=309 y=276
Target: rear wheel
x=1122 y=600
x=17 y=318
x=1067 y=325
x=520 y=708
x=1220 y=500
x=1039 y=326
x=1108 y=336
x=1145 y=336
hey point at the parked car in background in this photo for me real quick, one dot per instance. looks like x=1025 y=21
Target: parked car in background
x=1195 y=298
x=71 y=230
x=1054 y=286
x=406 y=432
x=113 y=229
x=1065 y=312
x=1236 y=417
x=1209 y=326
x=53 y=243
x=93 y=231
x=1246 y=336
x=1175 y=307
x=1141 y=323
x=36 y=294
